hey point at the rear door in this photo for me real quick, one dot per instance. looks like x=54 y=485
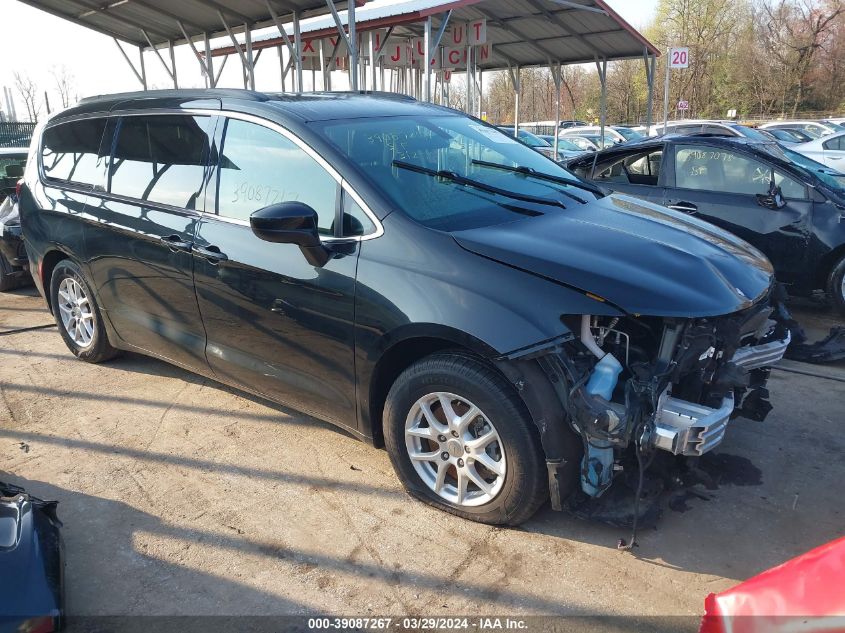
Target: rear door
x=276 y=324
x=721 y=185
x=141 y=232
x=834 y=153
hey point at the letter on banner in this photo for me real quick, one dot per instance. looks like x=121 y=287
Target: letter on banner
x=455 y=56
x=484 y=52
x=477 y=32
x=310 y=48
x=379 y=35
x=457 y=36
x=396 y=54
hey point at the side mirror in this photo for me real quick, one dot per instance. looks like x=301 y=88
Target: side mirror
x=291 y=223
x=773 y=199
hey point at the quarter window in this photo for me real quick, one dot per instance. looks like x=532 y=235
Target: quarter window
x=260 y=167
x=162 y=158
x=713 y=169
x=835 y=144
x=641 y=168
x=71 y=152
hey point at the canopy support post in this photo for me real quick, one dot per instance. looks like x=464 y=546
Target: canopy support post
x=297 y=44
x=601 y=65
x=140 y=75
x=170 y=73
x=650 y=66
x=426 y=60
x=556 y=76
x=517 y=89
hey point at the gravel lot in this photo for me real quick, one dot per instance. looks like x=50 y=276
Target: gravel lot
x=181 y=496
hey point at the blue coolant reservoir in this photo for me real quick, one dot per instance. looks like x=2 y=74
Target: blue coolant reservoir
x=597 y=466
x=604 y=377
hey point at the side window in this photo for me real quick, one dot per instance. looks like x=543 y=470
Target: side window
x=835 y=144
x=162 y=158
x=639 y=169
x=71 y=152
x=713 y=169
x=260 y=167
x=355 y=221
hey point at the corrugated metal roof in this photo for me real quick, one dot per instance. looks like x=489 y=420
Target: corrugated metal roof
x=125 y=19
x=522 y=32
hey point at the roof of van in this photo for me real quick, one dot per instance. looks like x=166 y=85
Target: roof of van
x=308 y=106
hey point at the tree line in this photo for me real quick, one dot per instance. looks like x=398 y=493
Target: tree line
x=762 y=58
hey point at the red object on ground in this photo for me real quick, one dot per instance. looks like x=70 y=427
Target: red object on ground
x=805 y=594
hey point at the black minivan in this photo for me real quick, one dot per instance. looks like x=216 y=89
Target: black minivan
x=414 y=275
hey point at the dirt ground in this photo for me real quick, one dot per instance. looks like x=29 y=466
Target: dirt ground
x=181 y=496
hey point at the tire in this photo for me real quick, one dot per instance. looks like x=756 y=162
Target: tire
x=516 y=491
x=74 y=303
x=836 y=286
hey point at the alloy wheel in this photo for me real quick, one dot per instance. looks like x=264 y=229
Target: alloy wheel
x=455 y=449
x=76 y=313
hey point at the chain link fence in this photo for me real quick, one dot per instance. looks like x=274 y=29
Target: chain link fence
x=16 y=134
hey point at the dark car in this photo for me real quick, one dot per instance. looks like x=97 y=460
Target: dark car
x=32 y=562
x=764 y=193
x=406 y=272
x=13 y=260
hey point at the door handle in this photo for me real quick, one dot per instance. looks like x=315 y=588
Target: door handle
x=211 y=253
x=175 y=243
x=684 y=207
x=835 y=157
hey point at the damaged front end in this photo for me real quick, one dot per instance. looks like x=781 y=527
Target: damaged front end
x=646 y=383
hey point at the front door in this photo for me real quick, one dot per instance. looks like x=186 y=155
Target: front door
x=141 y=229
x=276 y=324
x=720 y=185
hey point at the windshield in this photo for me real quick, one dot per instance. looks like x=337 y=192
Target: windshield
x=532 y=141
x=750 y=132
x=386 y=151
x=628 y=133
x=807 y=165
x=566 y=144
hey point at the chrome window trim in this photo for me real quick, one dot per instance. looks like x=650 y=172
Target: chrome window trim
x=250 y=118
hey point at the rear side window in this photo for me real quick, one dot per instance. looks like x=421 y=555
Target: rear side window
x=162 y=158
x=260 y=167
x=835 y=144
x=641 y=168
x=70 y=152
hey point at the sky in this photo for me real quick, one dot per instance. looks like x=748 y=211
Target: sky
x=40 y=44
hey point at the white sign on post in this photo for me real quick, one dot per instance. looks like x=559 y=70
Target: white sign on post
x=683 y=105
x=679 y=57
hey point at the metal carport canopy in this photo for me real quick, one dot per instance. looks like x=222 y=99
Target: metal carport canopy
x=522 y=32
x=129 y=20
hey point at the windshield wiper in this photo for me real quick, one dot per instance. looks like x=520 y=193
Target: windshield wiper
x=530 y=171
x=476 y=184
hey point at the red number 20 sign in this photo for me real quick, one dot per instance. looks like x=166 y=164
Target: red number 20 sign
x=679 y=57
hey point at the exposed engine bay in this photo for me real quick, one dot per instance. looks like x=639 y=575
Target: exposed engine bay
x=652 y=384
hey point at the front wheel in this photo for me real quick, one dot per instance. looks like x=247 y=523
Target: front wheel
x=77 y=314
x=836 y=286
x=460 y=439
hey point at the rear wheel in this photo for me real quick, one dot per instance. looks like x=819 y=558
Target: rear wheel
x=77 y=314
x=836 y=286
x=461 y=440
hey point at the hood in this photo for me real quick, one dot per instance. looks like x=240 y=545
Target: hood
x=643 y=258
